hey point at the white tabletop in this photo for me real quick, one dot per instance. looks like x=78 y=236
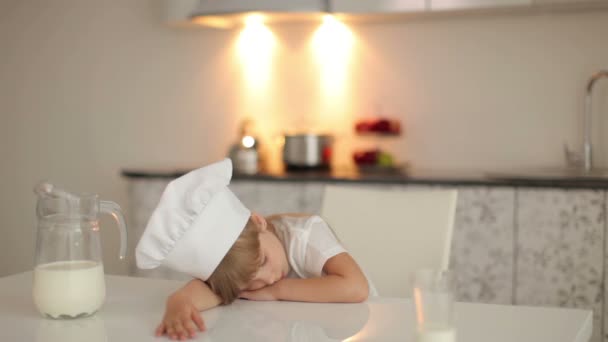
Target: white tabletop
x=134 y=306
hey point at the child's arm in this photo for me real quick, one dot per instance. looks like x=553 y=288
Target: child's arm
x=343 y=282
x=182 y=315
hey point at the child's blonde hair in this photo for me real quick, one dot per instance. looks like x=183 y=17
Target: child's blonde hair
x=239 y=265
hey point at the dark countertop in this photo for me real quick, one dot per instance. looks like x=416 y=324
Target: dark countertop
x=423 y=177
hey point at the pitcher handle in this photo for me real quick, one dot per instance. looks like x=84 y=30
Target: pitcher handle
x=113 y=209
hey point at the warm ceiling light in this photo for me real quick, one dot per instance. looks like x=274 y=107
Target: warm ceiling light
x=212 y=21
x=254 y=19
x=255 y=48
x=332 y=44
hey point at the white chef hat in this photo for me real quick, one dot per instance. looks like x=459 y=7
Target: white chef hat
x=195 y=223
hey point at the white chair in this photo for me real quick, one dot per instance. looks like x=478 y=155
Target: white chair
x=392 y=233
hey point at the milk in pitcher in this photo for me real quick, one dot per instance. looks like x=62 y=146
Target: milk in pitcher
x=66 y=289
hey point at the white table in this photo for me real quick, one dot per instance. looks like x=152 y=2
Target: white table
x=134 y=306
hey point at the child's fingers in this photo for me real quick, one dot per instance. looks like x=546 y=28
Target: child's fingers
x=171 y=332
x=160 y=329
x=187 y=333
x=198 y=320
x=178 y=329
x=190 y=328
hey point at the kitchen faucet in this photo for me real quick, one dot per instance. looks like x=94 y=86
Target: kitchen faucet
x=571 y=157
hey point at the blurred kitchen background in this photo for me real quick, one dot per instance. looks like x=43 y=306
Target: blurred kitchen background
x=89 y=88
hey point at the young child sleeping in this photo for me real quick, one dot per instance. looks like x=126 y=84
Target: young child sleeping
x=202 y=229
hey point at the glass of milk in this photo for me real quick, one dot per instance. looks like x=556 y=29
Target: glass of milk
x=68 y=274
x=433 y=296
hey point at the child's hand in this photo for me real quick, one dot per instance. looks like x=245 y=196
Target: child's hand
x=265 y=293
x=181 y=319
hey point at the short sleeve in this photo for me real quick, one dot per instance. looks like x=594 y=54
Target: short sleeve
x=321 y=246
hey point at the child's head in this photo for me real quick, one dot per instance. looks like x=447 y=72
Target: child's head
x=256 y=259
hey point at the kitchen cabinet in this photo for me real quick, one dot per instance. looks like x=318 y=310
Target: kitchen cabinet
x=377 y=6
x=560 y=249
x=437 y=5
x=483 y=244
x=271 y=198
x=413 y=6
x=568 y=2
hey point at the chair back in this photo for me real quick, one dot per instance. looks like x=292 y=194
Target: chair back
x=391 y=233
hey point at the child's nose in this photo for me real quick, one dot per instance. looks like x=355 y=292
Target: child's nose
x=271 y=279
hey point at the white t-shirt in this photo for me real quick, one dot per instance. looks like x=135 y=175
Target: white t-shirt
x=309 y=242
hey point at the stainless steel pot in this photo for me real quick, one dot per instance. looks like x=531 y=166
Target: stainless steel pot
x=306 y=151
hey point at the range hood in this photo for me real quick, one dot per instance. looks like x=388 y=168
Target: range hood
x=231 y=13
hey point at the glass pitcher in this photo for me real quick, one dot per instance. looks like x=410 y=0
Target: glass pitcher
x=68 y=273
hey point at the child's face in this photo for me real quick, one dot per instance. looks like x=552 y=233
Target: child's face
x=274 y=265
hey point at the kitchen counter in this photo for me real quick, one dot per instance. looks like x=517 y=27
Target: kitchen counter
x=411 y=176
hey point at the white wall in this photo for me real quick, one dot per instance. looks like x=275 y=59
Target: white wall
x=89 y=87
